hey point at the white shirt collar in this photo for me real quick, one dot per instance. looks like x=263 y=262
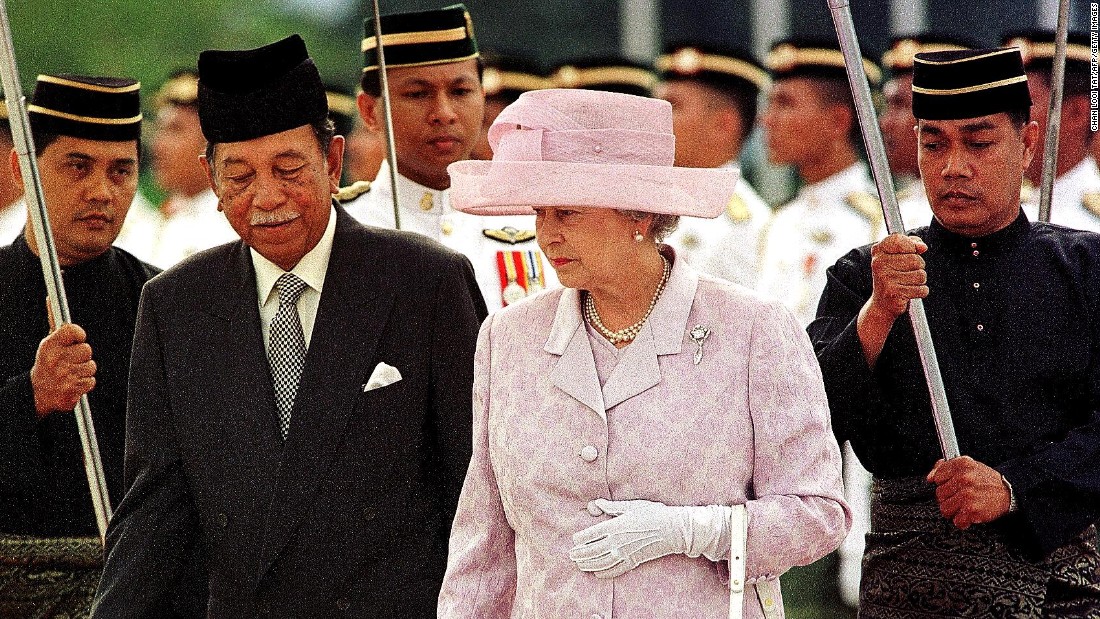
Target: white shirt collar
x=311 y=268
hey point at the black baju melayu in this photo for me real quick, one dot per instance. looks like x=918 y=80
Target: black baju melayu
x=1015 y=318
x=43 y=487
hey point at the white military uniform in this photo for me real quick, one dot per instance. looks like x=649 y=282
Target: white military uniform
x=807 y=235
x=196 y=224
x=729 y=245
x=507 y=261
x=13 y=218
x=916 y=212
x=1075 y=201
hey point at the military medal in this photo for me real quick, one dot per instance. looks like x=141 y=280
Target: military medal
x=699 y=334
x=535 y=280
x=511 y=290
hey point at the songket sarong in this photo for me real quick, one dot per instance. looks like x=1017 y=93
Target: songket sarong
x=918 y=565
x=48 y=578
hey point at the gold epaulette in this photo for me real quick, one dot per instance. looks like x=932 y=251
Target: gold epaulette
x=738 y=210
x=869 y=208
x=1029 y=193
x=865 y=204
x=1091 y=201
x=353 y=191
x=509 y=235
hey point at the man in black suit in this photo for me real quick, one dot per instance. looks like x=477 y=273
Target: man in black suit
x=298 y=423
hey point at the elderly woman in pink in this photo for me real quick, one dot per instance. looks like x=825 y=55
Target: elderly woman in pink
x=619 y=418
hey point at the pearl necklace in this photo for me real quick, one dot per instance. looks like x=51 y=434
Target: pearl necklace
x=629 y=333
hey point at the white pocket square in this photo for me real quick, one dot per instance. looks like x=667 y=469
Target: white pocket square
x=383 y=374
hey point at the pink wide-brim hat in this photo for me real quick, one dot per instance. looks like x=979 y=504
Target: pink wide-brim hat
x=561 y=147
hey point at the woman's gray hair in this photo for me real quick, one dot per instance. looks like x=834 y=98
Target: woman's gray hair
x=662 y=226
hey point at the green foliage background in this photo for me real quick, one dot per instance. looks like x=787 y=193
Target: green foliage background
x=148 y=39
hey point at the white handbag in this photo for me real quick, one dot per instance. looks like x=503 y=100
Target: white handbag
x=766 y=590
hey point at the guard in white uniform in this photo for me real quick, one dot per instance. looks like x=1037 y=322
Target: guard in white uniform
x=1075 y=201
x=188 y=221
x=713 y=93
x=810 y=123
x=432 y=62
x=898 y=123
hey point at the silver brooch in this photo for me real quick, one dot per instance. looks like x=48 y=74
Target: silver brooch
x=699 y=334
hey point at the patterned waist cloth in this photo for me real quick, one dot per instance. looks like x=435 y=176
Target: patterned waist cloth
x=48 y=578
x=918 y=565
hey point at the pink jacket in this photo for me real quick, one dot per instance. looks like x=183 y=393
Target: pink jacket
x=749 y=424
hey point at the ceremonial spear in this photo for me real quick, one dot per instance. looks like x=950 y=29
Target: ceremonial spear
x=384 y=83
x=876 y=154
x=1054 y=113
x=47 y=254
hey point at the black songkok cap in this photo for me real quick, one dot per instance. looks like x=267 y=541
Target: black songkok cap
x=421 y=38
x=251 y=93
x=1037 y=49
x=723 y=69
x=967 y=84
x=91 y=108
x=607 y=73
x=507 y=77
x=899 y=58
x=814 y=58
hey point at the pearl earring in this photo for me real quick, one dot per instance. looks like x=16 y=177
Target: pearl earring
x=638 y=237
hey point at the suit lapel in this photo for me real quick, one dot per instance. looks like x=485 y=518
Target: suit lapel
x=354 y=307
x=662 y=334
x=247 y=371
x=636 y=371
x=575 y=371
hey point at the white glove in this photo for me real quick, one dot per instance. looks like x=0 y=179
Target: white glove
x=645 y=530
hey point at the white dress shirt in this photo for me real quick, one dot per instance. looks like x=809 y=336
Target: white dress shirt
x=311 y=269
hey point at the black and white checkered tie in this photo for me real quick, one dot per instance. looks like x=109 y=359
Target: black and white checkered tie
x=287 y=348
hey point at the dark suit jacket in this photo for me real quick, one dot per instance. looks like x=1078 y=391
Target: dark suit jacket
x=351 y=516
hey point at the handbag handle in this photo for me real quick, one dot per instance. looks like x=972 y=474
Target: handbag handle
x=739 y=529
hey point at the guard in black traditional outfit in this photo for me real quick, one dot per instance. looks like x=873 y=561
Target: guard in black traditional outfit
x=1008 y=529
x=86 y=134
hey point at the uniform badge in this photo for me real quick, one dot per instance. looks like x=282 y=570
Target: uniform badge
x=821 y=236
x=427 y=203
x=521 y=274
x=510 y=235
